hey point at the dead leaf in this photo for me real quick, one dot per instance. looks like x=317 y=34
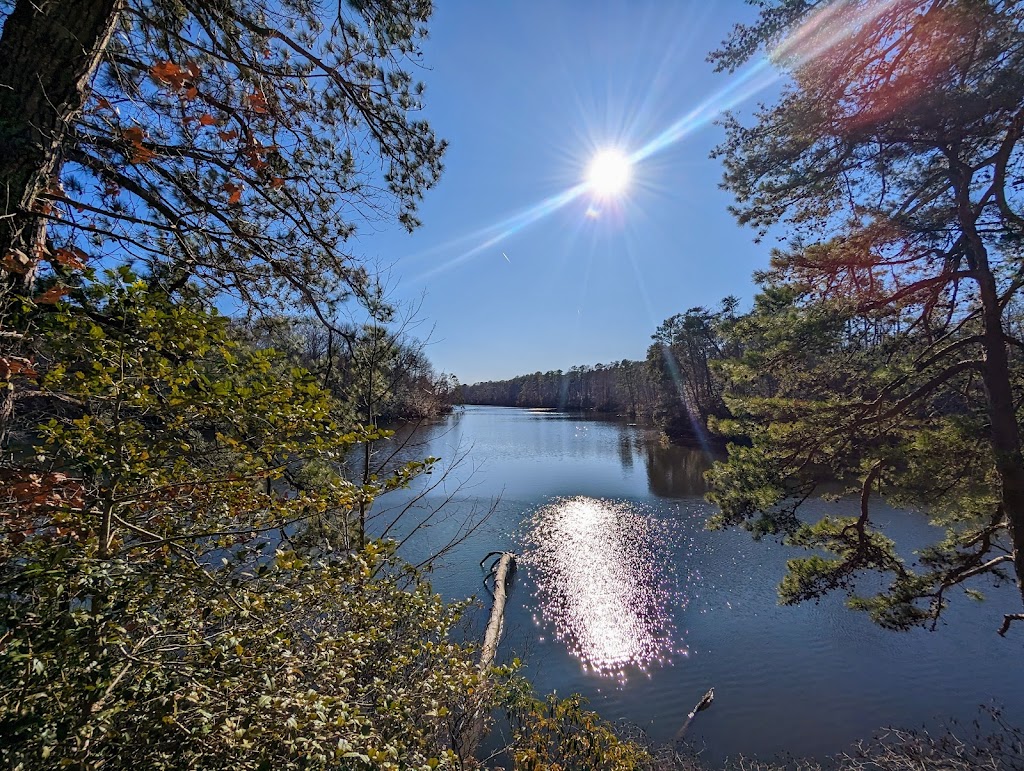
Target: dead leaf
x=135 y=135
x=16 y=365
x=234 y=192
x=71 y=257
x=51 y=295
x=257 y=102
x=168 y=73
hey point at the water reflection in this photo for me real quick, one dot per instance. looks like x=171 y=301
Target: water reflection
x=676 y=472
x=626 y=450
x=605 y=583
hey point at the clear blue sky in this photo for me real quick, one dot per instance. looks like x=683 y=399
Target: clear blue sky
x=526 y=92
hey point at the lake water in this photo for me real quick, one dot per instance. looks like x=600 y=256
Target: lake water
x=624 y=597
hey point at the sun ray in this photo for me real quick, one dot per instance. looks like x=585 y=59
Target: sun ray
x=495 y=234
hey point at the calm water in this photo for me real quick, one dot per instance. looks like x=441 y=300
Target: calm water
x=622 y=595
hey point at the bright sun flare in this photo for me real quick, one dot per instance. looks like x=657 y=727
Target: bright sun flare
x=608 y=174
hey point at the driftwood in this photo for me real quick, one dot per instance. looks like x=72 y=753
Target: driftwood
x=502 y=571
x=703 y=704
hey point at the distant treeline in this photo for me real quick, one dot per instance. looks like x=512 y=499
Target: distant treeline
x=626 y=387
x=674 y=387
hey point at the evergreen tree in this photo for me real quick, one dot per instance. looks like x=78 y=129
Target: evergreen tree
x=681 y=357
x=883 y=348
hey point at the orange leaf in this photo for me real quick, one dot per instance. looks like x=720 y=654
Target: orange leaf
x=167 y=72
x=135 y=135
x=73 y=258
x=16 y=261
x=206 y=119
x=139 y=154
x=234 y=192
x=276 y=181
x=177 y=78
x=257 y=102
x=16 y=366
x=228 y=135
x=51 y=295
x=142 y=154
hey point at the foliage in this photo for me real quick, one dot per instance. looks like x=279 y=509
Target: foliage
x=376 y=371
x=675 y=387
x=232 y=146
x=883 y=349
x=185 y=575
x=241 y=141
x=172 y=428
x=554 y=734
x=177 y=590
x=286 y=662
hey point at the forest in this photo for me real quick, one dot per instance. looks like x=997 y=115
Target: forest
x=201 y=376
x=674 y=388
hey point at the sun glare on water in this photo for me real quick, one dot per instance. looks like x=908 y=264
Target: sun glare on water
x=609 y=173
x=604 y=586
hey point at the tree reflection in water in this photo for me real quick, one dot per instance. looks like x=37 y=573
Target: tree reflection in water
x=676 y=472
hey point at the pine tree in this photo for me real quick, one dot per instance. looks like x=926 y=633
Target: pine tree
x=883 y=348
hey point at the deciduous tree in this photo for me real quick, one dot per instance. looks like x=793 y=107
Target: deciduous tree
x=234 y=143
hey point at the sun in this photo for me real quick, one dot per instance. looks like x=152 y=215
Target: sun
x=609 y=173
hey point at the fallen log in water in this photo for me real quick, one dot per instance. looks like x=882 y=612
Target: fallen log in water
x=492 y=635
x=703 y=704
x=502 y=570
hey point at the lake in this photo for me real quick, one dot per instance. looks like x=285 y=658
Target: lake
x=623 y=596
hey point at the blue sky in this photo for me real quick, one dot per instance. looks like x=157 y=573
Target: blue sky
x=526 y=93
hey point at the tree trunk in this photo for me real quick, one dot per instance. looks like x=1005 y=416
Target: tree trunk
x=49 y=52
x=496 y=621
x=473 y=732
x=700 y=706
x=1006 y=443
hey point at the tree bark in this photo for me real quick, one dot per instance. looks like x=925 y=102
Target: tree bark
x=474 y=731
x=700 y=706
x=49 y=52
x=496 y=622
x=1006 y=441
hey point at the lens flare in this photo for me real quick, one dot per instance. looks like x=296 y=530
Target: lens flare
x=611 y=170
